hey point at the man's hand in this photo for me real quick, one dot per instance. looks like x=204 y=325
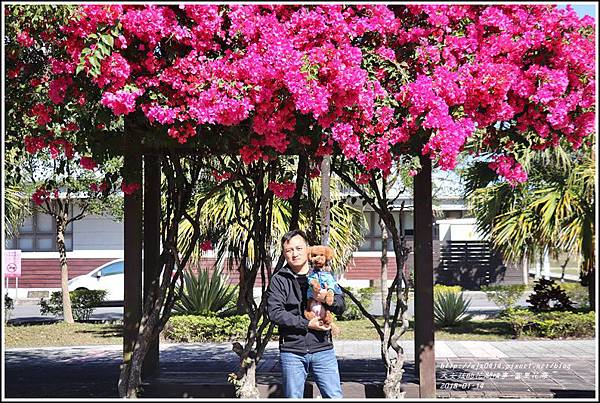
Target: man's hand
x=316 y=324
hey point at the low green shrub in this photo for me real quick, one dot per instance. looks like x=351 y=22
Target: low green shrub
x=450 y=307
x=9 y=305
x=83 y=303
x=576 y=293
x=505 y=296
x=441 y=288
x=549 y=296
x=364 y=296
x=192 y=328
x=554 y=324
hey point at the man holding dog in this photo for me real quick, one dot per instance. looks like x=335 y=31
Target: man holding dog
x=303 y=345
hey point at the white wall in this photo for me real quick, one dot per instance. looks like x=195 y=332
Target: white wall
x=458 y=229
x=97 y=233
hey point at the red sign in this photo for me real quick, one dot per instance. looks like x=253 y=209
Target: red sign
x=12 y=263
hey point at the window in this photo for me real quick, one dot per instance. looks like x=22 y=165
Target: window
x=373 y=237
x=38 y=234
x=115 y=268
x=449 y=214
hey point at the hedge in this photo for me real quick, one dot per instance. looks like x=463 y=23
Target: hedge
x=554 y=324
x=192 y=328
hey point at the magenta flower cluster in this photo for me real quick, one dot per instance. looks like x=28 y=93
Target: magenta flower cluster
x=506 y=167
x=459 y=72
x=284 y=190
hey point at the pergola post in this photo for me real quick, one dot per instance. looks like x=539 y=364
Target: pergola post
x=423 y=274
x=152 y=173
x=132 y=303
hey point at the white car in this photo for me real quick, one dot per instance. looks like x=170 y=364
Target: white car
x=109 y=277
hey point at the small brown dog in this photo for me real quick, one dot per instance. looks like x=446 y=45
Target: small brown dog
x=320 y=277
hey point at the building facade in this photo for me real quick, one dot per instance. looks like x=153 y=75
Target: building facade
x=460 y=256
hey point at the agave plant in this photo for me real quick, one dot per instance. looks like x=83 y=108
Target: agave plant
x=206 y=296
x=450 y=308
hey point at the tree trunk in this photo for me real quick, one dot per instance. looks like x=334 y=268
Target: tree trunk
x=592 y=288
x=563 y=269
x=546 y=273
x=246 y=383
x=61 y=220
x=525 y=269
x=241 y=304
x=393 y=381
x=325 y=199
x=384 y=265
x=130 y=377
x=538 y=267
x=396 y=324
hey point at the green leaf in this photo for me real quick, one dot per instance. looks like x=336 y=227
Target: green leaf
x=109 y=40
x=95 y=63
x=104 y=51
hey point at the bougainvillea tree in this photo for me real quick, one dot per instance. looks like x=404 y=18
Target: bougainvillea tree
x=45 y=160
x=370 y=83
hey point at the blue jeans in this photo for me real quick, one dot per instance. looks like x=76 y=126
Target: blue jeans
x=324 y=367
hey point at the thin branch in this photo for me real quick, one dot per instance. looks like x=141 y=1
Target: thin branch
x=363 y=310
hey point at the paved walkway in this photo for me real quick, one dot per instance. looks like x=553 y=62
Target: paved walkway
x=547 y=368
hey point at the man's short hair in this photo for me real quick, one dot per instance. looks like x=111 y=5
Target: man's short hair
x=292 y=234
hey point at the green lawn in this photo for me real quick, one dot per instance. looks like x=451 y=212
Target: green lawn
x=62 y=334
x=488 y=329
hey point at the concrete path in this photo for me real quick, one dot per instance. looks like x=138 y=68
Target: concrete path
x=545 y=368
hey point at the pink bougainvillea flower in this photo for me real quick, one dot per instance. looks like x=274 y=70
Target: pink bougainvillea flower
x=221 y=177
x=284 y=190
x=206 y=245
x=57 y=89
x=43 y=113
x=121 y=102
x=362 y=179
x=439 y=74
x=508 y=168
x=87 y=163
x=99 y=187
x=34 y=144
x=24 y=39
x=129 y=188
x=40 y=196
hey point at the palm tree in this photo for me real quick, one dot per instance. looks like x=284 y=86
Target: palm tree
x=223 y=220
x=16 y=208
x=553 y=210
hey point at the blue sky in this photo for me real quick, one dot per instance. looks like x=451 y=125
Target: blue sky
x=583 y=9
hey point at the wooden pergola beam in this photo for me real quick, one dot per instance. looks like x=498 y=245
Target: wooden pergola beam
x=151 y=231
x=132 y=301
x=423 y=274
x=134 y=149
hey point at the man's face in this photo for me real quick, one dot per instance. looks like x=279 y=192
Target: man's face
x=296 y=252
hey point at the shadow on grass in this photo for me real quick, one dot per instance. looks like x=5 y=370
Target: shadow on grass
x=496 y=327
x=487 y=327
x=40 y=322
x=104 y=331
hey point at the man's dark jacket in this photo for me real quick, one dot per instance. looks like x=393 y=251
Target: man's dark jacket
x=284 y=300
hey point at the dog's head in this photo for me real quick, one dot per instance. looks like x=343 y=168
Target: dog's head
x=320 y=255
